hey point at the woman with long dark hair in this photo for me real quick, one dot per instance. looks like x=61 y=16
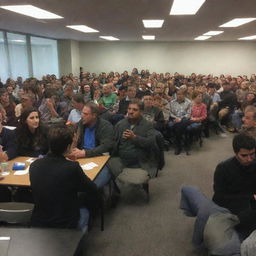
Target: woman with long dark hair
x=31 y=135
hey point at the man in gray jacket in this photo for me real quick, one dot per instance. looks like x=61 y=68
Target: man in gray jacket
x=134 y=142
x=95 y=136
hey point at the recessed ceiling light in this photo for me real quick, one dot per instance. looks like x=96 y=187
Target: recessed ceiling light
x=83 y=28
x=186 y=7
x=153 y=23
x=32 y=11
x=213 y=33
x=18 y=41
x=148 y=37
x=110 y=38
x=248 y=38
x=202 y=37
x=237 y=22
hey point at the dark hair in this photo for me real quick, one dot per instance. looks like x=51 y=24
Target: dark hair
x=24 y=115
x=2 y=91
x=28 y=142
x=243 y=141
x=137 y=102
x=212 y=85
x=196 y=93
x=59 y=138
x=79 y=98
x=226 y=83
x=49 y=92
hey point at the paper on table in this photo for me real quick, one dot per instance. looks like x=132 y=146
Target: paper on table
x=23 y=172
x=31 y=160
x=9 y=127
x=88 y=166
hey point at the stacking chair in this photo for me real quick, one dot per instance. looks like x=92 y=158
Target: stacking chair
x=136 y=177
x=16 y=213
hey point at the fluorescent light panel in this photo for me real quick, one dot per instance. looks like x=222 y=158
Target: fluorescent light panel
x=148 y=37
x=237 y=22
x=83 y=28
x=186 y=7
x=110 y=38
x=248 y=38
x=153 y=23
x=18 y=41
x=32 y=11
x=202 y=37
x=213 y=33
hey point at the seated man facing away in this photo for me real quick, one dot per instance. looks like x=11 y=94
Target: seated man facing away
x=134 y=141
x=56 y=182
x=95 y=136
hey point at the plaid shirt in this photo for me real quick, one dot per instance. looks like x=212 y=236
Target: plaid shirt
x=180 y=110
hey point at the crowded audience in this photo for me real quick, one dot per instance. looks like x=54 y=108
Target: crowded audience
x=128 y=116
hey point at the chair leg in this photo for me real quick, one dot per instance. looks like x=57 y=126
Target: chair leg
x=102 y=217
x=101 y=210
x=200 y=141
x=114 y=193
x=145 y=186
x=157 y=170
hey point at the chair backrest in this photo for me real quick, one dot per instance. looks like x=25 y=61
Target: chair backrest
x=16 y=213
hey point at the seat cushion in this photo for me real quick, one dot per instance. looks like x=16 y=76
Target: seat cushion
x=134 y=176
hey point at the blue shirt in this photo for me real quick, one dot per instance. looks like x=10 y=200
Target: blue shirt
x=89 y=138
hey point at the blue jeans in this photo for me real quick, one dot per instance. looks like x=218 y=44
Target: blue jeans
x=193 y=127
x=195 y=204
x=103 y=177
x=236 y=118
x=84 y=219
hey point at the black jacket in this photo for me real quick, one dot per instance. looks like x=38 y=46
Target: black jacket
x=55 y=184
x=234 y=185
x=8 y=142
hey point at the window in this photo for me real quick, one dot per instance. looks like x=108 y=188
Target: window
x=44 y=57
x=18 y=55
x=4 y=62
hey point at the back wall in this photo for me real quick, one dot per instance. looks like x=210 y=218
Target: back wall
x=235 y=58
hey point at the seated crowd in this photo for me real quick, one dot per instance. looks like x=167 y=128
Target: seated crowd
x=130 y=117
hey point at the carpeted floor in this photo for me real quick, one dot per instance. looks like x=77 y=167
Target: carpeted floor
x=159 y=228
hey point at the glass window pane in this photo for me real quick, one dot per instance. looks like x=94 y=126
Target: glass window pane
x=18 y=55
x=44 y=57
x=4 y=62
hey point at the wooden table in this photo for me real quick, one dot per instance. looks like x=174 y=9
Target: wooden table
x=23 y=180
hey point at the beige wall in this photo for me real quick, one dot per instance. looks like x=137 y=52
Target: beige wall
x=75 y=55
x=184 y=57
x=64 y=53
x=69 y=60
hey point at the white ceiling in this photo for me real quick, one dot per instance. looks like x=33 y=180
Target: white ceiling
x=123 y=19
